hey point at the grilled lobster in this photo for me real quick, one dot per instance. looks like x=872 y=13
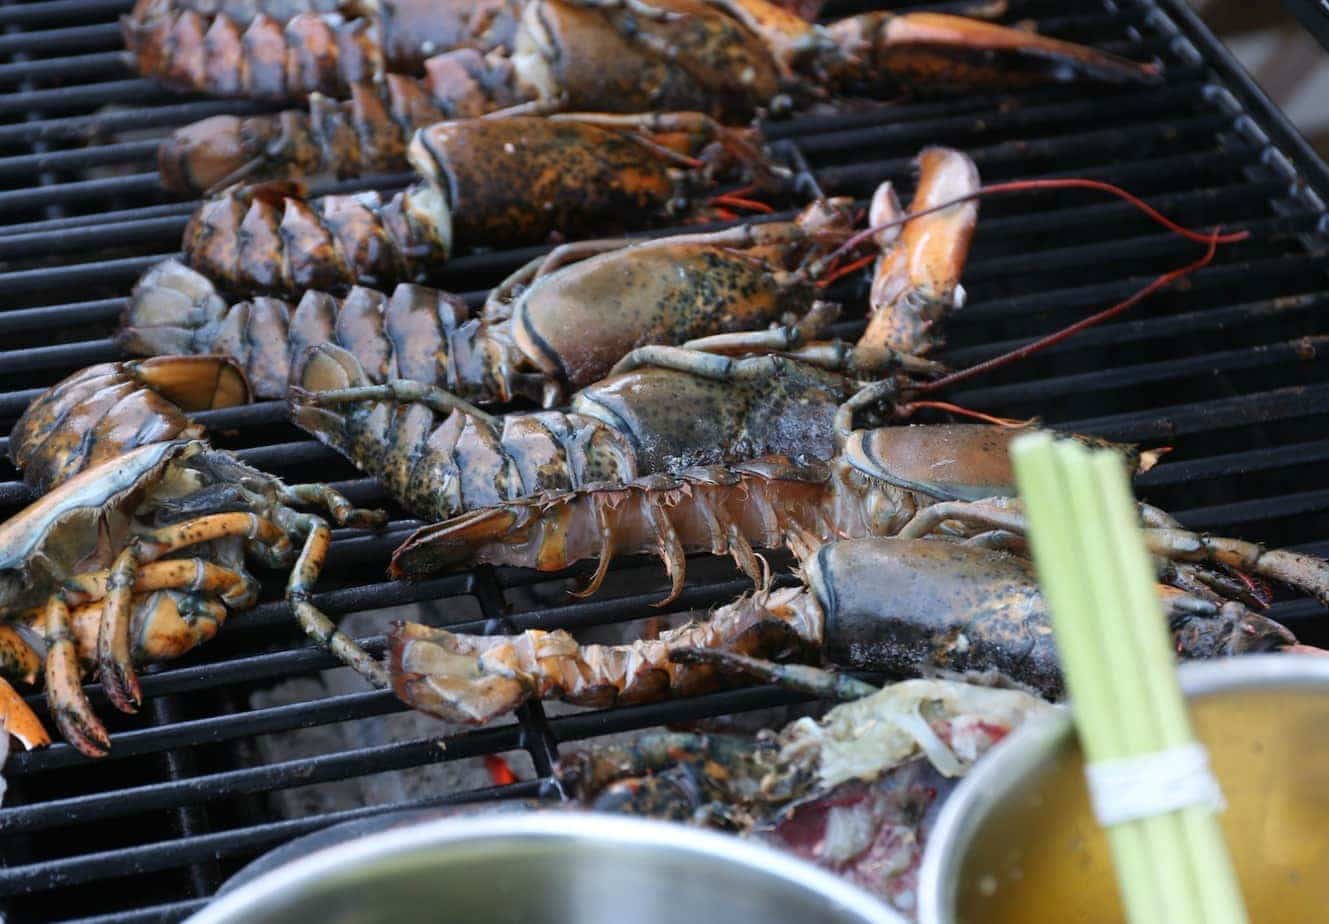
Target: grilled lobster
x=487 y=183
x=137 y=550
x=909 y=482
x=561 y=323
x=903 y=607
x=727 y=59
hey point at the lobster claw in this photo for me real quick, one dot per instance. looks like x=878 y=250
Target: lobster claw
x=924 y=51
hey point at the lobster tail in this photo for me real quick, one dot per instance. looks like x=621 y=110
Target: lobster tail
x=175 y=309
x=768 y=503
x=104 y=411
x=365 y=132
x=262 y=58
x=473 y=679
x=270 y=239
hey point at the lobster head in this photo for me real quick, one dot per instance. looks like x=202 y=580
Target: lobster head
x=80 y=524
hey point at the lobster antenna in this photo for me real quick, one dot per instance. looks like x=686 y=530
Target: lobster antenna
x=993 y=189
x=1056 y=337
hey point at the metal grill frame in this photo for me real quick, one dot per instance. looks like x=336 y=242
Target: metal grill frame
x=180 y=771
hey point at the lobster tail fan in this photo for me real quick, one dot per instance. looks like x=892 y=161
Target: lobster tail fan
x=169 y=306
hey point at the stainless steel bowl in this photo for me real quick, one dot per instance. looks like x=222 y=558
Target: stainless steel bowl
x=548 y=868
x=1016 y=841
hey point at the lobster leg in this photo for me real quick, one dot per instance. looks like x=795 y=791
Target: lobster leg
x=342 y=511
x=1303 y=572
x=116 y=666
x=17 y=659
x=800 y=677
x=64 y=690
x=197 y=575
x=299 y=589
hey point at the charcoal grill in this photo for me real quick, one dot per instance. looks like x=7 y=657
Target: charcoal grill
x=1223 y=368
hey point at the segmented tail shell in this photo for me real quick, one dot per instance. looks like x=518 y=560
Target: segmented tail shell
x=365 y=132
x=438 y=465
x=262 y=58
x=405 y=335
x=473 y=679
x=767 y=503
x=104 y=411
x=269 y=239
x=287 y=51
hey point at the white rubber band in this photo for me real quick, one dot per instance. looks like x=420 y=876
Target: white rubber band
x=1152 y=784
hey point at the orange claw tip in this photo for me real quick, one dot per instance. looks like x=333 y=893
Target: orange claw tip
x=18 y=719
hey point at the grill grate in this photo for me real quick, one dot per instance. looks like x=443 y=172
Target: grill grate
x=1222 y=368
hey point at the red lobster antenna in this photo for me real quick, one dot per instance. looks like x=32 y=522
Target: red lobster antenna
x=1211 y=239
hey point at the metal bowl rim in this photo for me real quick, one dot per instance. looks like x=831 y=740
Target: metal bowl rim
x=1023 y=750
x=706 y=846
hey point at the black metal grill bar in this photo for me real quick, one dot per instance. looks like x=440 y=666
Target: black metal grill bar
x=1217 y=414
x=56 y=99
x=82 y=127
x=1214 y=277
x=57 y=11
x=1176 y=17
x=1235 y=463
x=26 y=164
x=1132 y=376
x=382 y=182
x=80 y=191
x=157 y=914
x=171 y=854
x=1265 y=508
x=366 y=761
x=66 y=39
x=1151 y=329
x=97 y=65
